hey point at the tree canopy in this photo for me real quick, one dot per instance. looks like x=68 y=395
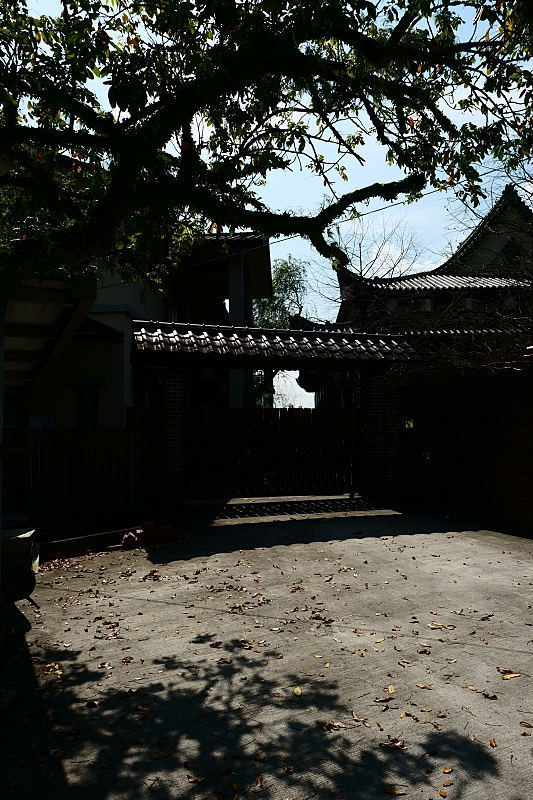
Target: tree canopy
x=130 y=128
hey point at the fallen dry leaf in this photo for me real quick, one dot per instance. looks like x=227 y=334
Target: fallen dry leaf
x=333 y=726
x=448 y=783
x=380 y=640
x=526 y=724
x=297 y=691
x=509 y=675
x=259 y=780
x=492 y=742
x=194 y=779
x=442 y=793
x=423 y=686
x=447 y=770
x=160 y=754
x=188 y=765
x=390 y=688
x=507 y=671
x=394 y=744
x=289 y=770
x=215 y=644
x=162 y=742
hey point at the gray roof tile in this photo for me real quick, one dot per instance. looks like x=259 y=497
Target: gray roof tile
x=256 y=343
x=431 y=280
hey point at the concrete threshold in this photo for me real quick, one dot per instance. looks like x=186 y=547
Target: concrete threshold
x=271 y=499
x=375 y=512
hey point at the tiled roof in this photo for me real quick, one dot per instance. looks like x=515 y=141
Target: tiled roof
x=456 y=332
x=443 y=277
x=425 y=281
x=242 y=236
x=409 y=332
x=285 y=349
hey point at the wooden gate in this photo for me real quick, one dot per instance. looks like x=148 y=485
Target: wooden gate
x=228 y=453
x=253 y=452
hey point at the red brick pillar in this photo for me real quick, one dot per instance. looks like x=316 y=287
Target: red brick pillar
x=173 y=440
x=381 y=427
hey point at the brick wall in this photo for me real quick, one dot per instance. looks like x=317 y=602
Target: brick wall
x=470 y=449
x=173 y=436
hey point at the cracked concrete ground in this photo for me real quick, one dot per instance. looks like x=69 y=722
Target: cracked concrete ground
x=350 y=657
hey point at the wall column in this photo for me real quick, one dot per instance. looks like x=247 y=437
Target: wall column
x=173 y=441
x=382 y=424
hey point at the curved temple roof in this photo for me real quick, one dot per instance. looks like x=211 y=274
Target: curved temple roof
x=431 y=280
x=257 y=348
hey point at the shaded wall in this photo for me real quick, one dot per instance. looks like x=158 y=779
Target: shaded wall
x=83 y=360
x=470 y=449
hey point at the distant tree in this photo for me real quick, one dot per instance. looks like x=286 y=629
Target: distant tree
x=375 y=247
x=206 y=98
x=289 y=292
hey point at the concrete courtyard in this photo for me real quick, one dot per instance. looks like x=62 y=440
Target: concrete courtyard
x=331 y=655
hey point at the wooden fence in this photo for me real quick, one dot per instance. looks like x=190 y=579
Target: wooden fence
x=227 y=452
x=247 y=452
x=71 y=470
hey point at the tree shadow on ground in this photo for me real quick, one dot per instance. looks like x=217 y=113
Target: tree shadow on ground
x=203 y=540
x=209 y=729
